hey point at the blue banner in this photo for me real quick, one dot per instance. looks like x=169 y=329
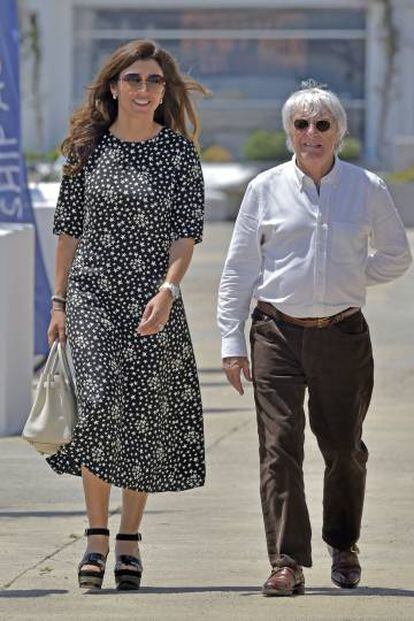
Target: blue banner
x=15 y=203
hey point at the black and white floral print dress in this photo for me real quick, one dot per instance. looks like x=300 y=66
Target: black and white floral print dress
x=140 y=416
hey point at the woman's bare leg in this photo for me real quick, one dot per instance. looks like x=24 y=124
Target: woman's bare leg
x=133 y=504
x=97 y=494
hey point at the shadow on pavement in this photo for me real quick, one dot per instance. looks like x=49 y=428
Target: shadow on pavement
x=248 y=591
x=244 y=591
x=169 y=590
x=50 y=514
x=213 y=384
x=20 y=593
x=359 y=592
x=224 y=410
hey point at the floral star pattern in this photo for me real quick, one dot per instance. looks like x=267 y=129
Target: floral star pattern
x=140 y=415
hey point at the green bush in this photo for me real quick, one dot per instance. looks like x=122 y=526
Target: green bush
x=351 y=149
x=401 y=176
x=263 y=145
x=215 y=153
x=34 y=157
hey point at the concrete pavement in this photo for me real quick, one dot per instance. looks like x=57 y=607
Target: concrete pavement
x=203 y=550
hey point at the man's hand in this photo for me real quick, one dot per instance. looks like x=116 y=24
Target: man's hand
x=233 y=366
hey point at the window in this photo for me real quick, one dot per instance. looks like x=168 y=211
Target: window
x=251 y=59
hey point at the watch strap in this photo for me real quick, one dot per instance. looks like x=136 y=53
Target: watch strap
x=173 y=288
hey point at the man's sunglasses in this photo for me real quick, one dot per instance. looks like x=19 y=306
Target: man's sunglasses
x=153 y=82
x=322 y=126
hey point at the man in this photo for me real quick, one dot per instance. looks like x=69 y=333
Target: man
x=311 y=234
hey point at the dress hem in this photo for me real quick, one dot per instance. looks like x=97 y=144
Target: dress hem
x=113 y=480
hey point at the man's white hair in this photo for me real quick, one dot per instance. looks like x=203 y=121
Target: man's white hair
x=311 y=102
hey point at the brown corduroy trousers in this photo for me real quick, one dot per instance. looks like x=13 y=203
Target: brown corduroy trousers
x=335 y=364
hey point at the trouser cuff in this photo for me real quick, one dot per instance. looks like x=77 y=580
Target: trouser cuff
x=284 y=560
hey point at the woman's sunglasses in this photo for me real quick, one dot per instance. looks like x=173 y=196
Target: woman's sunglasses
x=322 y=126
x=135 y=81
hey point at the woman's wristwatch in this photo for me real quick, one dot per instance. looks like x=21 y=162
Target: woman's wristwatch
x=172 y=288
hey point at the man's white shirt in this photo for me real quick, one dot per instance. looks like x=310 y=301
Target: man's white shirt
x=309 y=254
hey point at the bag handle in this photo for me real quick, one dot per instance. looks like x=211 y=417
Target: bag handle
x=51 y=361
x=64 y=363
x=57 y=355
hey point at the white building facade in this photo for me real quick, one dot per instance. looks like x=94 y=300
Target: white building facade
x=250 y=58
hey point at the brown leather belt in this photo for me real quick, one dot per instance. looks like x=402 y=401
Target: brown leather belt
x=306 y=322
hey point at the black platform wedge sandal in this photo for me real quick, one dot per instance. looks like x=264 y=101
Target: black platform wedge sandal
x=90 y=578
x=128 y=579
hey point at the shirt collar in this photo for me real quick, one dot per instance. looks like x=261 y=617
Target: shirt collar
x=331 y=178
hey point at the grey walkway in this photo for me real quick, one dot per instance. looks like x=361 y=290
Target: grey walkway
x=203 y=550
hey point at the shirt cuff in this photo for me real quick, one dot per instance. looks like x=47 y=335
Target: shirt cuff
x=233 y=345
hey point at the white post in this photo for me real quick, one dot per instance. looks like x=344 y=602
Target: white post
x=44 y=225
x=16 y=325
x=375 y=67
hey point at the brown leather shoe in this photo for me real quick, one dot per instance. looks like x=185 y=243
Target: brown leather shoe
x=285 y=581
x=346 y=570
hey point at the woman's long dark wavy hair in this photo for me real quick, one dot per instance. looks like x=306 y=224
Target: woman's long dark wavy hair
x=91 y=120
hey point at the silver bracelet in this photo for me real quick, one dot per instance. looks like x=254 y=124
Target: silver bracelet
x=58 y=298
x=60 y=310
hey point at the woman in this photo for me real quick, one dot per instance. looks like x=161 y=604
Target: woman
x=129 y=212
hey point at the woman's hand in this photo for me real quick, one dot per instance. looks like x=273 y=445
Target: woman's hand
x=233 y=366
x=156 y=314
x=57 y=328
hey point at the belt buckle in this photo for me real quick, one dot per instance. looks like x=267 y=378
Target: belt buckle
x=321 y=322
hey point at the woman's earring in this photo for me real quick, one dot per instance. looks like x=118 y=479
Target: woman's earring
x=161 y=100
x=114 y=95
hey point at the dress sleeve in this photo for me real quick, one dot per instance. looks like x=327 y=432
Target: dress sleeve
x=187 y=214
x=70 y=208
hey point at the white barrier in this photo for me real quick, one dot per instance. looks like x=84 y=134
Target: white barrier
x=16 y=325
x=44 y=223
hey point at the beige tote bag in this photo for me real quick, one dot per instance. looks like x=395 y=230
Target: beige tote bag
x=54 y=412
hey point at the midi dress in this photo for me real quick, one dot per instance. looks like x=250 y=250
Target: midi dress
x=140 y=422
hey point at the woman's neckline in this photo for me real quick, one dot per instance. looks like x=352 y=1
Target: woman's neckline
x=157 y=135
